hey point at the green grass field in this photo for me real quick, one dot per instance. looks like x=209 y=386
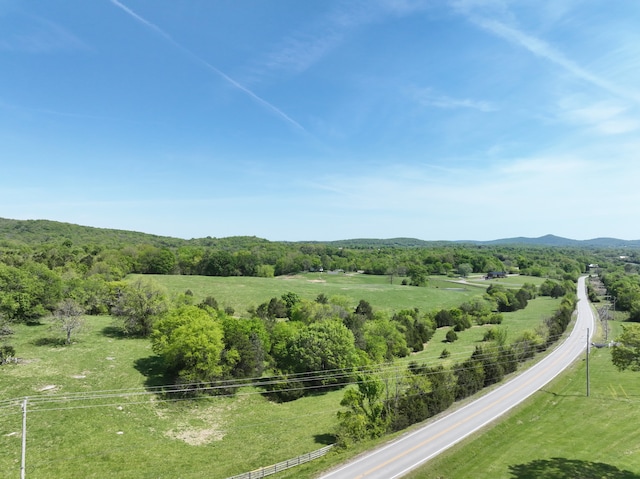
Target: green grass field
x=76 y=428
x=139 y=435
x=241 y=293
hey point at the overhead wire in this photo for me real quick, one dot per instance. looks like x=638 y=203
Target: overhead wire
x=331 y=375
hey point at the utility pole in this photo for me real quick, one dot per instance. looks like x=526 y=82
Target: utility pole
x=23 y=469
x=588 y=391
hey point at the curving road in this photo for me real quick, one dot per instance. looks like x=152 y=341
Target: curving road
x=397 y=458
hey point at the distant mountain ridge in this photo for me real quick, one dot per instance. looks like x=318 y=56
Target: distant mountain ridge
x=552 y=240
x=44 y=231
x=546 y=240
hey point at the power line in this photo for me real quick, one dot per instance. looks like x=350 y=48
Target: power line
x=304 y=377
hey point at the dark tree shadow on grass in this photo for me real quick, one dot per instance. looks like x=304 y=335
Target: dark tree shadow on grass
x=324 y=439
x=51 y=342
x=562 y=468
x=154 y=370
x=115 y=332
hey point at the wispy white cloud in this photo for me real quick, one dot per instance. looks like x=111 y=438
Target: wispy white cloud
x=548 y=52
x=29 y=111
x=428 y=97
x=208 y=66
x=545 y=166
x=40 y=36
x=299 y=52
x=301 y=49
x=604 y=117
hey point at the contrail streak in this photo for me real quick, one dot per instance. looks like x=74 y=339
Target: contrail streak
x=207 y=65
x=544 y=50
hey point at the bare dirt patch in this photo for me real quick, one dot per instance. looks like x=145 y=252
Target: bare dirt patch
x=48 y=387
x=199 y=426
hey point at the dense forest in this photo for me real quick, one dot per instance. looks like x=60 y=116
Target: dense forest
x=296 y=345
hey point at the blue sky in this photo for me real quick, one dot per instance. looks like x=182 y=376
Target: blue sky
x=323 y=120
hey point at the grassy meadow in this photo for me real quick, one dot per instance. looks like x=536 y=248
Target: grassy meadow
x=242 y=293
x=92 y=411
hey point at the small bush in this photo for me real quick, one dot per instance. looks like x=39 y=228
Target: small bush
x=451 y=336
x=6 y=353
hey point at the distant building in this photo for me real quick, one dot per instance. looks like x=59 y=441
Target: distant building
x=496 y=274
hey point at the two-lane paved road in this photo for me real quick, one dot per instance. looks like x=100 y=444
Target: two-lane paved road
x=397 y=458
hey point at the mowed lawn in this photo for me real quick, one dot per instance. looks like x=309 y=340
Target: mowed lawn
x=91 y=411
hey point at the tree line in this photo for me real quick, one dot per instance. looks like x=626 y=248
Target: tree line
x=380 y=403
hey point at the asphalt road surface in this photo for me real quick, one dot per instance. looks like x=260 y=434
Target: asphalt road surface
x=397 y=458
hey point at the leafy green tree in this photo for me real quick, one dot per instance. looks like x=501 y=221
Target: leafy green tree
x=384 y=340
x=153 y=260
x=418 y=275
x=91 y=293
x=309 y=312
x=522 y=297
x=417 y=329
x=492 y=367
x=139 y=304
x=190 y=341
x=451 y=336
x=461 y=322
x=469 y=377
x=28 y=292
x=634 y=311
x=364 y=417
x=476 y=307
x=276 y=309
x=322 y=299
x=246 y=343
x=290 y=300
x=364 y=309
x=465 y=269
x=526 y=345
x=209 y=302
x=265 y=271
x=497 y=335
x=411 y=405
x=552 y=288
x=443 y=318
x=626 y=353
x=218 y=263
x=188 y=258
x=282 y=335
x=325 y=349
x=246 y=263
x=557 y=291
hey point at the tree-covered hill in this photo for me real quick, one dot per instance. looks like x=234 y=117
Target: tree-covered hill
x=45 y=231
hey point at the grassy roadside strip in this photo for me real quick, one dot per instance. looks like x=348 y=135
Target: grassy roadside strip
x=559 y=432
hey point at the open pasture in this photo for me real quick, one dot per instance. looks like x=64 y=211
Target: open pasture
x=92 y=412
x=242 y=293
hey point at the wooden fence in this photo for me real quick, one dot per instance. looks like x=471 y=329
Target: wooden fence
x=281 y=466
